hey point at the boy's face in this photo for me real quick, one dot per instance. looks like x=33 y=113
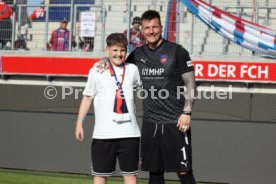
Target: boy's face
x=116 y=54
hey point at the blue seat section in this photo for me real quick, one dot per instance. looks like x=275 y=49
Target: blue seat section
x=57 y=13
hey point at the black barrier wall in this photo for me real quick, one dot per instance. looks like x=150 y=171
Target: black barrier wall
x=233 y=140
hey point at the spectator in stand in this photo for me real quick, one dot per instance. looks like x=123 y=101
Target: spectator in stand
x=60 y=37
x=135 y=35
x=38 y=10
x=85 y=41
x=86 y=44
x=37 y=13
x=23 y=20
x=5 y=24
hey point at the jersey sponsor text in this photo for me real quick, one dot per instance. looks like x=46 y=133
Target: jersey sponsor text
x=152 y=71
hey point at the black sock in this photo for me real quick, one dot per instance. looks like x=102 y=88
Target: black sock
x=187 y=178
x=156 y=178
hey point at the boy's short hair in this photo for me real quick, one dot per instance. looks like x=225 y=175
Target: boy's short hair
x=116 y=39
x=150 y=14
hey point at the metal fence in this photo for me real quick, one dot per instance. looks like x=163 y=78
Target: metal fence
x=116 y=16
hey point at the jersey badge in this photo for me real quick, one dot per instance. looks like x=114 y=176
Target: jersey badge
x=164 y=58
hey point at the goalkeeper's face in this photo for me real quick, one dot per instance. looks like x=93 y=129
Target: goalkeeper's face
x=152 y=31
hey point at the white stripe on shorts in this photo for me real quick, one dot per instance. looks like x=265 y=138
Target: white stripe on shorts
x=130 y=173
x=102 y=174
x=93 y=173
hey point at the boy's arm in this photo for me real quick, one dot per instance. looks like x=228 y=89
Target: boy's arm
x=138 y=82
x=84 y=108
x=88 y=95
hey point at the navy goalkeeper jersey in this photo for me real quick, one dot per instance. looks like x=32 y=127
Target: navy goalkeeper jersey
x=160 y=70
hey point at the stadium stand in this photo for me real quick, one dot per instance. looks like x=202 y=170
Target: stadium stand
x=200 y=40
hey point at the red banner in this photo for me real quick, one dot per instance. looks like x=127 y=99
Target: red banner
x=235 y=71
x=204 y=70
x=47 y=65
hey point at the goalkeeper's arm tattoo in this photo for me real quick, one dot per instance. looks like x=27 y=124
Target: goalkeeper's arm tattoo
x=191 y=91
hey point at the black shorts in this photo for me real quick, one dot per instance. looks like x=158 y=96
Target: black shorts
x=104 y=153
x=165 y=148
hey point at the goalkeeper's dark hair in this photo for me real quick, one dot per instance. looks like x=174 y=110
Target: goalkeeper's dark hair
x=150 y=14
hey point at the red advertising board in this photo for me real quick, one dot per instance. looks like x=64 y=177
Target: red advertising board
x=46 y=65
x=204 y=70
x=235 y=71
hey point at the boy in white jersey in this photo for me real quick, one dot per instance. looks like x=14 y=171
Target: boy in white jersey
x=116 y=134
